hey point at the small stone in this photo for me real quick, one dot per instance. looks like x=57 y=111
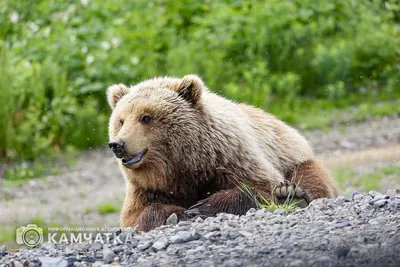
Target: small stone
x=126 y=236
x=342 y=252
x=69 y=250
x=213 y=227
x=378 y=197
x=331 y=203
x=172 y=219
x=160 y=244
x=47 y=246
x=223 y=216
x=317 y=204
x=182 y=237
x=342 y=224
x=16 y=264
x=393 y=192
x=260 y=213
x=212 y=235
x=3 y=251
x=98 y=255
x=395 y=204
x=199 y=220
x=323 y=261
x=50 y=261
x=233 y=235
x=373 y=193
x=380 y=203
x=108 y=256
x=95 y=246
x=145 y=245
x=246 y=234
x=279 y=211
x=297 y=263
x=72 y=261
x=354 y=194
x=97 y=264
x=89 y=259
x=278 y=232
x=117 y=249
x=80 y=247
x=251 y=211
x=340 y=200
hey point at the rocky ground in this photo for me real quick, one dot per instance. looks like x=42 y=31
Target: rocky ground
x=362 y=231
x=73 y=198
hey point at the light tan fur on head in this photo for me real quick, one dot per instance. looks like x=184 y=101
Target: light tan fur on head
x=115 y=93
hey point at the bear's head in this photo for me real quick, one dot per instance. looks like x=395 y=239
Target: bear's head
x=157 y=123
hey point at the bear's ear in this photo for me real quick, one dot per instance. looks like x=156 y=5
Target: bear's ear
x=115 y=93
x=191 y=88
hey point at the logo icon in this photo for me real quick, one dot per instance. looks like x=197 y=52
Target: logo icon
x=30 y=235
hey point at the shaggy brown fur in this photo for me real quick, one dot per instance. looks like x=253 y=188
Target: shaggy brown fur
x=180 y=145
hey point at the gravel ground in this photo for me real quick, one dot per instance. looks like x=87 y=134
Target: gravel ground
x=362 y=231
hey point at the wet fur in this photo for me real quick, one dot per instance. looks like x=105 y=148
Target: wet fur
x=200 y=148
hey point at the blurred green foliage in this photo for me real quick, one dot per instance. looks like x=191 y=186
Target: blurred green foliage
x=57 y=58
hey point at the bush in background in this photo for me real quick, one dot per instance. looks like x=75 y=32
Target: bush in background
x=57 y=58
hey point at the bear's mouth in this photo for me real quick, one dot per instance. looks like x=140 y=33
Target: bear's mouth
x=129 y=161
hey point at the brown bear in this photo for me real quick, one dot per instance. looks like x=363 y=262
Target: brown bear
x=183 y=149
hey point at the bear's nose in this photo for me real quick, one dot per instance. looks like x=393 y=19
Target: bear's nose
x=117 y=147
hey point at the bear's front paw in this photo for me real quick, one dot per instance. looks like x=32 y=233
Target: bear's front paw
x=291 y=193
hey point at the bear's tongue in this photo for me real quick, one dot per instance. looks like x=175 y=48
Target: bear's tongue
x=136 y=159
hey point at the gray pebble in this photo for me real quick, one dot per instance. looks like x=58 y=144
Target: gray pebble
x=182 y=237
x=380 y=203
x=323 y=261
x=212 y=235
x=342 y=224
x=251 y=211
x=69 y=250
x=47 y=246
x=373 y=193
x=16 y=264
x=213 y=227
x=297 y=263
x=117 y=249
x=160 y=244
x=172 y=219
x=108 y=256
x=50 y=262
x=95 y=246
x=393 y=192
x=260 y=212
x=279 y=211
x=199 y=220
x=395 y=204
x=145 y=245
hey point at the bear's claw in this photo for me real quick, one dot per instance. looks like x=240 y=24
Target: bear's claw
x=292 y=193
x=200 y=209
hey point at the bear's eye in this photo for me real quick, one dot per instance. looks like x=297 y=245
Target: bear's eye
x=145 y=119
x=121 y=122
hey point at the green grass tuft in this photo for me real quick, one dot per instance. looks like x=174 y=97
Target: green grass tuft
x=262 y=202
x=107 y=208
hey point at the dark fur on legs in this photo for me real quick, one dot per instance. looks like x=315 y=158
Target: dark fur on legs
x=157 y=214
x=234 y=201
